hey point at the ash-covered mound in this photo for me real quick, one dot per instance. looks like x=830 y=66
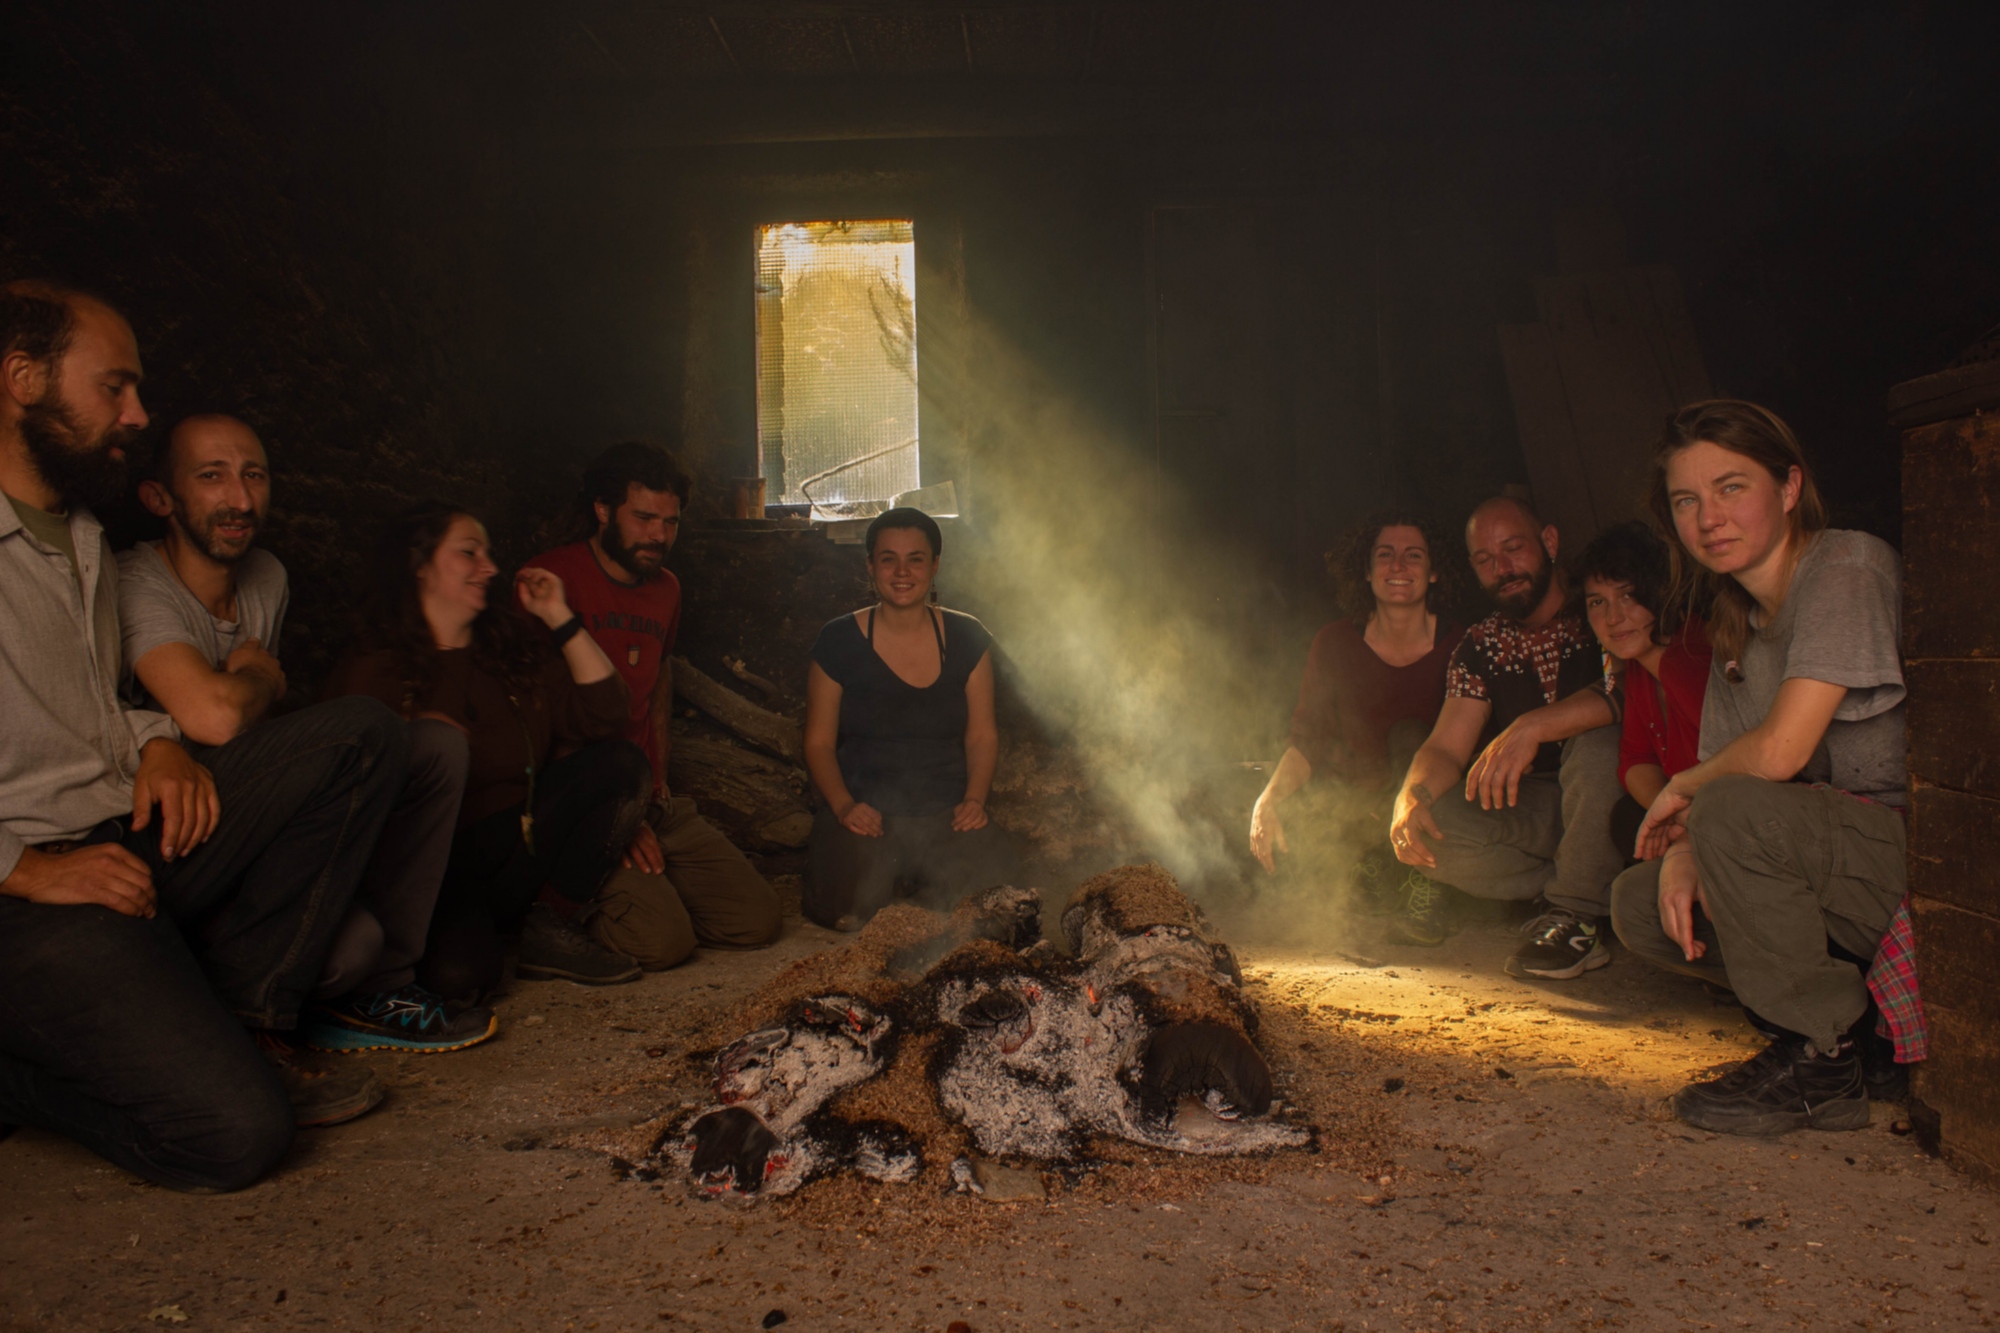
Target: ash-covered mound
x=931 y=1036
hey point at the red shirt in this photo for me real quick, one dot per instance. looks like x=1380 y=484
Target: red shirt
x=1350 y=698
x=1669 y=738
x=634 y=624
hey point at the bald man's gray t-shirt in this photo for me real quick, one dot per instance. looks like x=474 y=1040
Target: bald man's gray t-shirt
x=155 y=608
x=1841 y=623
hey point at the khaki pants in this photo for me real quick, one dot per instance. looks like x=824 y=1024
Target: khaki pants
x=1784 y=868
x=1553 y=843
x=710 y=895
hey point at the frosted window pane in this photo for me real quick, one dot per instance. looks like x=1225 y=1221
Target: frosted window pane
x=837 y=361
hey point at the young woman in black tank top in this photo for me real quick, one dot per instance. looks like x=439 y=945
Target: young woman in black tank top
x=900 y=740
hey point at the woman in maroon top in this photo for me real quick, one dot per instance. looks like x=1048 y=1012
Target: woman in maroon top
x=1373 y=683
x=1624 y=576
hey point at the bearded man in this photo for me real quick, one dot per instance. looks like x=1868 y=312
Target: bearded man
x=152 y=908
x=1526 y=691
x=683 y=883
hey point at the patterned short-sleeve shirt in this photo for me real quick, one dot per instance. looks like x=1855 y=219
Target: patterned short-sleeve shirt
x=1518 y=669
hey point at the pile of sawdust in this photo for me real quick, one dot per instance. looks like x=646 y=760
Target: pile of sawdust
x=1133 y=898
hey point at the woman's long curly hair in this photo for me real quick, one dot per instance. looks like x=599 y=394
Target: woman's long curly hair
x=504 y=640
x=1349 y=563
x=1759 y=435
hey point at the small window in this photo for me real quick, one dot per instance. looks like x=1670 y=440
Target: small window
x=837 y=364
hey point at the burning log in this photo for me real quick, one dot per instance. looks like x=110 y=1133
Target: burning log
x=929 y=1036
x=758 y=799
x=759 y=726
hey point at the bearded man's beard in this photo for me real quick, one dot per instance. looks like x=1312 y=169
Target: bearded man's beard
x=224 y=551
x=1520 y=605
x=642 y=562
x=92 y=475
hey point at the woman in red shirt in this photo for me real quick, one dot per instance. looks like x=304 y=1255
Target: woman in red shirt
x=1624 y=575
x=1372 y=689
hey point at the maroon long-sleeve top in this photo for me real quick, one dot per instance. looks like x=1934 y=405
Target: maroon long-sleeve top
x=1350 y=698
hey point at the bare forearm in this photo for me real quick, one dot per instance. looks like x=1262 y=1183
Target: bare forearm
x=1291 y=774
x=825 y=772
x=231 y=703
x=1586 y=710
x=1644 y=782
x=586 y=661
x=982 y=755
x=1432 y=771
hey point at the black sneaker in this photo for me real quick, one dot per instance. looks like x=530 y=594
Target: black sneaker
x=553 y=949
x=1560 y=945
x=1422 y=920
x=320 y=1095
x=407 y=1019
x=1791 y=1084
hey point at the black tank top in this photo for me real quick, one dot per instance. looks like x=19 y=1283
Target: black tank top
x=902 y=749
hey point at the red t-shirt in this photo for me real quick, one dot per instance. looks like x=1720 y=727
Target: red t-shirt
x=1350 y=698
x=1671 y=739
x=634 y=625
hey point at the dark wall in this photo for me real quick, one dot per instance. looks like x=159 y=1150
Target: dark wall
x=424 y=250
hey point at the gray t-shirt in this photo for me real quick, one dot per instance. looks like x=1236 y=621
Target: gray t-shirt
x=1841 y=623
x=156 y=608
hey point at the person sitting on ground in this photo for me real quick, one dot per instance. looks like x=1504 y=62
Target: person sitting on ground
x=1775 y=866
x=683 y=883
x=1372 y=689
x=151 y=908
x=1624 y=576
x=1533 y=816
x=900 y=741
x=553 y=796
x=201 y=610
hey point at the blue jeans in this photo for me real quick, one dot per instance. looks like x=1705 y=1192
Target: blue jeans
x=127 y=1034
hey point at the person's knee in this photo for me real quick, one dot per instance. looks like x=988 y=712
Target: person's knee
x=1635 y=912
x=1728 y=807
x=440 y=757
x=381 y=734
x=233 y=1140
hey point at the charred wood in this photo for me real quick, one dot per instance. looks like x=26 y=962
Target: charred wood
x=759 y=726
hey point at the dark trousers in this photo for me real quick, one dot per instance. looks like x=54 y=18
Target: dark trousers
x=118 y=1032
x=588 y=806
x=849 y=876
x=386 y=928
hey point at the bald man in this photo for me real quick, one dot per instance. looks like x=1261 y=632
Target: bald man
x=202 y=609
x=1530 y=817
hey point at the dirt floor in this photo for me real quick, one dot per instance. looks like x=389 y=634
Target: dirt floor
x=1493 y=1156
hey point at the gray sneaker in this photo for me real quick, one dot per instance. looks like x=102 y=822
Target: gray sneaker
x=553 y=949
x=321 y=1093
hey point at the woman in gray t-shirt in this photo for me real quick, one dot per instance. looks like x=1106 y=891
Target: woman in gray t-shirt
x=1775 y=865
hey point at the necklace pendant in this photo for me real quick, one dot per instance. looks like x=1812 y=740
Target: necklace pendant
x=632 y=655
x=528 y=833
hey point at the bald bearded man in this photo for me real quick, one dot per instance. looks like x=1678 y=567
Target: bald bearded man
x=1527 y=691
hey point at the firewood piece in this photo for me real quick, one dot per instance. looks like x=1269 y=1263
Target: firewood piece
x=752 y=796
x=751 y=678
x=760 y=726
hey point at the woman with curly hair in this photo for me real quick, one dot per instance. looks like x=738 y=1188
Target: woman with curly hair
x=552 y=797
x=1373 y=684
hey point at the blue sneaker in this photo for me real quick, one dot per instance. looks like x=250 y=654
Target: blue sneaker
x=407 y=1019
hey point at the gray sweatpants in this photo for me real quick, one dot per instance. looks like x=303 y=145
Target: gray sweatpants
x=1784 y=868
x=1553 y=843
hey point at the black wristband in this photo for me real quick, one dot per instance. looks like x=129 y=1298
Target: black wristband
x=566 y=631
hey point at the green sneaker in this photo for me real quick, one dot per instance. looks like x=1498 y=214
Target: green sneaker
x=1422 y=920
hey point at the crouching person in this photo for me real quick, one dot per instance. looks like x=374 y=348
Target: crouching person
x=901 y=742
x=552 y=796
x=151 y=908
x=1777 y=863
x=682 y=882
x=202 y=610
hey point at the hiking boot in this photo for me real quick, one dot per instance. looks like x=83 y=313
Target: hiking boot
x=409 y=1018
x=1791 y=1084
x=1560 y=945
x=320 y=1094
x=1423 y=920
x=1374 y=884
x=554 y=949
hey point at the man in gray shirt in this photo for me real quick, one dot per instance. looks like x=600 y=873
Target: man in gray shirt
x=151 y=907
x=202 y=609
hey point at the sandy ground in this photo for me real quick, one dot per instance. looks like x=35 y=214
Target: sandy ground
x=1551 y=1195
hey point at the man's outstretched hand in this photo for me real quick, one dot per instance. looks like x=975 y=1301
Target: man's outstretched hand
x=185 y=792
x=106 y=875
x=1664 y=825
x=1494 y=780
x=1414 y=822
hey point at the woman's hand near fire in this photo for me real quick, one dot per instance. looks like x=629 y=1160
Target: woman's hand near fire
x=1267 y=833
x=862 y=818
x=1412 y=823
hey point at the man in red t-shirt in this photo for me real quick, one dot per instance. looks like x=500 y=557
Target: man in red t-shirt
x=683 y=883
